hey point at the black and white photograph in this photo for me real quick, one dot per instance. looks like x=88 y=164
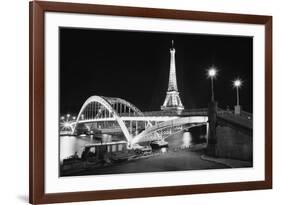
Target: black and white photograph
x=140 y=102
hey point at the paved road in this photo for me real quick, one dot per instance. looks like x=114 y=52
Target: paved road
x=170 y=161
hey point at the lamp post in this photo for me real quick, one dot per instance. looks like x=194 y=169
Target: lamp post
x=237 y=84
x=212 y=72
x=212 y=117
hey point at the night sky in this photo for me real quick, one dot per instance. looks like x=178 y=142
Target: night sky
x=135 y=66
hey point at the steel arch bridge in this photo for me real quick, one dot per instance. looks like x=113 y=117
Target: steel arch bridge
x=100 y=108
x=108 y=109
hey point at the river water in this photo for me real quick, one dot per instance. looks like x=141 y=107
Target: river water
x=71 y=144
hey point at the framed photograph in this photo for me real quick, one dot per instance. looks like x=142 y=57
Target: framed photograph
x=139 y=102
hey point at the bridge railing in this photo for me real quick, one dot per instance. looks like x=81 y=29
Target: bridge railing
x=244 y=119
x=243 y=114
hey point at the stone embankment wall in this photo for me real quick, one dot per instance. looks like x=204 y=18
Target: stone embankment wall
x=234 y=143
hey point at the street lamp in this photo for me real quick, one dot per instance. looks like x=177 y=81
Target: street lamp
x=237 y=84
x=212 y=113
x=212 y=72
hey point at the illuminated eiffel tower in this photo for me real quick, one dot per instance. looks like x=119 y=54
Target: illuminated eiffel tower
x=172 y=100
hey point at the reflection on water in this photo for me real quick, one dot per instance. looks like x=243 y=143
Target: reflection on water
x=186 y=139
x=164 y=150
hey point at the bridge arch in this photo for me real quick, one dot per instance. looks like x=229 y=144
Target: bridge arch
x=124 y=102
x=108 y=103
x=170 y=123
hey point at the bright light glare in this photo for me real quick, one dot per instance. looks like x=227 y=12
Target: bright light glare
x=68 y=115
x=212 y=72
x=66 y=124
x=237 y=83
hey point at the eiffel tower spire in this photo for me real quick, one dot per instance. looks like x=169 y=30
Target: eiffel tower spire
x=172 y=100
x=172 y=77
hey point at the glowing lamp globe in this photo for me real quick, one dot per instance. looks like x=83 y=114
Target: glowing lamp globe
x=237 y=83
x=212 y=72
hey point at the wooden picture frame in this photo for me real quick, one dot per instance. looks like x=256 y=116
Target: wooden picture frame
x=37 y=102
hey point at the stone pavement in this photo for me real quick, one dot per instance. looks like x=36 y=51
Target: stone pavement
x=179 y=160
x=232 y=163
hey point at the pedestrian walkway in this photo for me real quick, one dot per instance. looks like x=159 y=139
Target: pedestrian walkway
x=232 y=163
x=180 y=160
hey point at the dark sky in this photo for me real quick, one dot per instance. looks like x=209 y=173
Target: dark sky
x=135 y=66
